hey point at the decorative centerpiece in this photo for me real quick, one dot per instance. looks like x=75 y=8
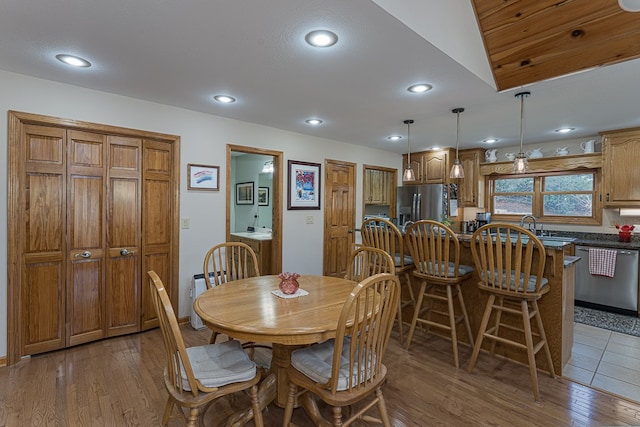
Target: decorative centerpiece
x=624 y=233
x=288 y=283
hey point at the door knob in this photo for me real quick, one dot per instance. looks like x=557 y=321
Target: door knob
x=85 y=254
x=127 y=252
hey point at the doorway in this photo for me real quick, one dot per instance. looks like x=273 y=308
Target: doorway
x=265 y=209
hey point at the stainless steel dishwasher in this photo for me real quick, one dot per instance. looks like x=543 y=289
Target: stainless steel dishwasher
x=619 y=292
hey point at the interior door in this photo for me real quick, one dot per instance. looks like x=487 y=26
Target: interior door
x=339 y=216
x=86 y=231
x=122 y=287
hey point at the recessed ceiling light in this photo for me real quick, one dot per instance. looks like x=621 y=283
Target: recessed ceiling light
x=490 y=140
x=321 y=38
x=225 y=99
x=313 y=122
x=76 y=61
x=394 y=137
x=564 y=130
x=420 y=88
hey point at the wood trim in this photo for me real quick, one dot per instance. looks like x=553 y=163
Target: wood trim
x=553 y=164
x=277 y=196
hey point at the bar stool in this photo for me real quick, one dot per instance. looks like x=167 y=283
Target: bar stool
x=504 y=257
x=383 y=234
x=435 y=251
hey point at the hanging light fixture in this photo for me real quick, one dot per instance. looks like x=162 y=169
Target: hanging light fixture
x=457 y=171
x=520 y=164
x=268 y=167
x=408 y=174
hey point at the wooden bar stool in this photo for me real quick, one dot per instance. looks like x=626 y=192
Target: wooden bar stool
x=435 y=251
x=504 y=257
x=383 y=234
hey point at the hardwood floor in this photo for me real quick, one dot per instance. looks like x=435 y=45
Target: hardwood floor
x=118 y=382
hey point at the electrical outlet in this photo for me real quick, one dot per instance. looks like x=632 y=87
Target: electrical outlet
x=185 y=222
x=309 y=219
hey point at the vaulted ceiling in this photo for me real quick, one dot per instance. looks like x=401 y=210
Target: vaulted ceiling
x=182 y=53
x=528 y=41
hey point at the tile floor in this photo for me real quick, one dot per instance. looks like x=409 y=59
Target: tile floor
x=606 y=360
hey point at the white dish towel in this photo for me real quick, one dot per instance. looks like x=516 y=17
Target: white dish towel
x=602 y=262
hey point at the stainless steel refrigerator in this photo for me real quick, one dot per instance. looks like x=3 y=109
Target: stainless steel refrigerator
x=424 y=201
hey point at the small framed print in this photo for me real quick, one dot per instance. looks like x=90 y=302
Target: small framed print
x=304 y=185
x=244 y=193
x=203 y=177
x=263 y=196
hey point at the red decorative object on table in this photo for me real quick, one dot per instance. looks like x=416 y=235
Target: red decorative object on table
x=624 y=233
x=288 y=283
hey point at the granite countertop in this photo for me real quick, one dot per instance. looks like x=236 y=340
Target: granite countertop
x=585 y=239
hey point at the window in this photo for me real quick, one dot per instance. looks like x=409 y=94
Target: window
x=566 y=197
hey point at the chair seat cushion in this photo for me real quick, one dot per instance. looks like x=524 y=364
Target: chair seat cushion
x=315 y=362
x=216 y=365
x=428 y=266
x=531 y=284
x=402 y=261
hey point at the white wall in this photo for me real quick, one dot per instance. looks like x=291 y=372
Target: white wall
x=203 y=141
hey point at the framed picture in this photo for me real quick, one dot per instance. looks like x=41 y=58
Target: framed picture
x=263 y=196
x=304 y=185
x=203 y=177
x=244 y=193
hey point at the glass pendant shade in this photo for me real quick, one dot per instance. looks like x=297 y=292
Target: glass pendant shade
x=457 y=171
x=268 y=167
x=521 y=164
x=409 y=174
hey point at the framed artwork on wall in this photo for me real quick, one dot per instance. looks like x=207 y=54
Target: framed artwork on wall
x=263 y=196
x=203 y=177
x=304 y=185
x=244 y=193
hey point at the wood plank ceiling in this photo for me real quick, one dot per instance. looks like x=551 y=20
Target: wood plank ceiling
x=533 y=40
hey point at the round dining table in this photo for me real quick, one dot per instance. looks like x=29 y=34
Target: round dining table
x=252 y=309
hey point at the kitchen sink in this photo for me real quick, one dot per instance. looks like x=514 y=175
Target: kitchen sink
x=557 y=239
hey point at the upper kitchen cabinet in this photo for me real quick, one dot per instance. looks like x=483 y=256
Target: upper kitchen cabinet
x=621 y=155
x=379 y=185
x=430 y=167
x=471 y=187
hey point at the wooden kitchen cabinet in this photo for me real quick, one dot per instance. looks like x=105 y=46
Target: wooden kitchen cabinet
x=378 y=185
x=621 y=156
x=469 y=188
x=262 y=249
x=430 y=167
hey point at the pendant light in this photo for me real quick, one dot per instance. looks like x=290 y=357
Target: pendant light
x=520 y=164
x=408 y=174
x=457 y=171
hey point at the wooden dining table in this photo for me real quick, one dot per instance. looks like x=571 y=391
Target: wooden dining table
x=248 y=310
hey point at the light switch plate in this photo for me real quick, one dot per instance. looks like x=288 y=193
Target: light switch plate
x=309 y=219
x=185 y=223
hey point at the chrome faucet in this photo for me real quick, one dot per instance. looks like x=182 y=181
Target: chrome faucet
x=533 y=219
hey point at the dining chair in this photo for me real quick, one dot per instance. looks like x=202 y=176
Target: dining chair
x=509 y=271
x=366 y=261
x=383 y=234
x=226 y=262
x=349 y=369
x=195 y=376
x=435 y=250
x=229 y=261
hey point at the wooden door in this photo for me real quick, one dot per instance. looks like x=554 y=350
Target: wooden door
x=339 y=216
x=39 y=193
x=159 y=220
x=122 y=288
x=86 y=235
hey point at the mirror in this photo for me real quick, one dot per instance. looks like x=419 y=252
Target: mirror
x=248 y=168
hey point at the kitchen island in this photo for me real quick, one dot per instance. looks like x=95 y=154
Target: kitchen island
x=556 y=307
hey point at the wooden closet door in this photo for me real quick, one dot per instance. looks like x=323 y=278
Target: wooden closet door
x=40 y=243
x=158 y=223
x=123 y=235
x=86 y=231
